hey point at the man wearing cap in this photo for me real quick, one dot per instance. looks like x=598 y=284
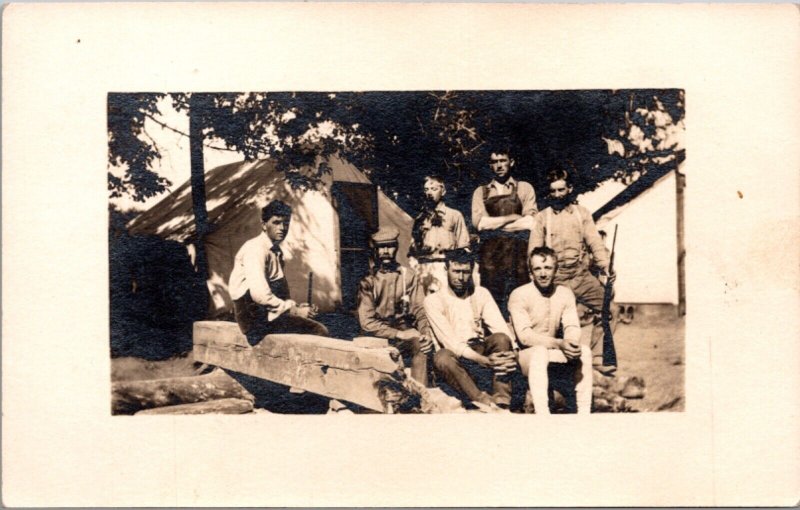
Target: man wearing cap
x=460 y=316
x=546 y=323
x=502 y=212
x=568 y=228
x=390 y=304
x=437 y=228
x=258 y=287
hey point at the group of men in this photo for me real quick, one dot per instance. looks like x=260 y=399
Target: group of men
x=518 y=310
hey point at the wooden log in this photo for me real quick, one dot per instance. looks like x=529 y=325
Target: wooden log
x=221 y=406
x=370 y=341
x=326 y=366
x=128 y=397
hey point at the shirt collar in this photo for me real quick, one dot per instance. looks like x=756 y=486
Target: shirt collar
x=265 y=240
x=509 y=183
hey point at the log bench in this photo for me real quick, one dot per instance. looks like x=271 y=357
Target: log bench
x=335 y=368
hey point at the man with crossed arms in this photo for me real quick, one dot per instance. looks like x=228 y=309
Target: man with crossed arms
x=540 y=309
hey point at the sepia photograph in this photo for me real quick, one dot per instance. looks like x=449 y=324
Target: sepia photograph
x=455 y=251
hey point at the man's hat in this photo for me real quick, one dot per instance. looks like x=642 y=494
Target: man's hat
x=385 y=235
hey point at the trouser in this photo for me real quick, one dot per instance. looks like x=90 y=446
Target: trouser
x=252 y=320
x=419 y=360
x=503 y=267
x=534 y=361
x=456 y=371
x=590 y=293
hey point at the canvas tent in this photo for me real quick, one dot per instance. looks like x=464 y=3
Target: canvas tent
x=328 y=235
x=646 y=259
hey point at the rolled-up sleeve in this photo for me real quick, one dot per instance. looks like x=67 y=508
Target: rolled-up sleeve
x=478 y=207
x=594 y=241
x=536 y=238
x=443 y=331
x=528 y=198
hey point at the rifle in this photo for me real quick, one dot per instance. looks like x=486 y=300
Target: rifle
x=609 y=352
x=310 y=287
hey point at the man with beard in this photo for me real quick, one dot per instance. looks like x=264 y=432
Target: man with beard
x=390 y=305
x=258 y=287
x=436 y=229
x=503 y=212
x=545 y=320
x=459 y=315
x=569 y=230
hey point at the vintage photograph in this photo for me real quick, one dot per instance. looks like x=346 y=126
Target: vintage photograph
x=463 y=251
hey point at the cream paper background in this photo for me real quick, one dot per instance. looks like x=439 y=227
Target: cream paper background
x=737 y=441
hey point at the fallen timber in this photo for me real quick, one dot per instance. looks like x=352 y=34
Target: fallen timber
x=221 y=406
x=357 y=372
x=129 y=397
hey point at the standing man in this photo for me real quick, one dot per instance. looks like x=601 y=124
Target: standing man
x=258 y=287
x=546 y=322
x=503 y=212
x=390 y=304
x=459 y=316
x=436 y=229
x=569 y=230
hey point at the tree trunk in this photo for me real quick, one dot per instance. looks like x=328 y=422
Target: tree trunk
x=199 y=109
x=128 y=397
x=221 y=406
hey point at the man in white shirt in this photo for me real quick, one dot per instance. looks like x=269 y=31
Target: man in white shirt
x=459 y=316
x=545 y=319
x=258 y=287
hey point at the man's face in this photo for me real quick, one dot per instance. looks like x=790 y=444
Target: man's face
x=434 y=191
x=459 y=276
x=276 y=227
x=560 y=189
x=386 y=253
x=500 y=164
x=544 y=270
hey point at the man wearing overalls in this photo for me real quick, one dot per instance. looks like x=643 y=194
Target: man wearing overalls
x=258 y=287
x=437 y=228
x=390 y=305
x=503 y=212
x=569 y=230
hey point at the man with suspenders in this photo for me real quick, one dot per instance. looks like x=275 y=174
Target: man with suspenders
x=390 y=304
x=503 y=212
x=569 y=230
x=258 y=287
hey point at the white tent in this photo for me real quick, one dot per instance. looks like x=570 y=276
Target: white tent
x=646 y=260
x=333 y=247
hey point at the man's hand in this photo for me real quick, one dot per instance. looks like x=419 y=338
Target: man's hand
x=408 y=335
x=608 y=279
x=503 y=363
x=304 y=310
x=571 y=348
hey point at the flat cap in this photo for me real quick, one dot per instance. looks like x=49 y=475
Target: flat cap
x=385 y=235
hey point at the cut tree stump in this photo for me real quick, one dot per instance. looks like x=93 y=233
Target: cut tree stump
x=128 y=397
x=330 y=367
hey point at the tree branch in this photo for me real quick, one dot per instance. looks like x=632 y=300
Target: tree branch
x=165 y=126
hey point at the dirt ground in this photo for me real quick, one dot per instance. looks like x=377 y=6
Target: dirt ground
x=653 y=349
x=650 y=347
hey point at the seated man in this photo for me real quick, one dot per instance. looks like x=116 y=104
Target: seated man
x=458 y=315
x=390 y=304
x=538 y=310
x=258 y=284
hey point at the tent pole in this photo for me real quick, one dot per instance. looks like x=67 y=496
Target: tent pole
x=680 y=183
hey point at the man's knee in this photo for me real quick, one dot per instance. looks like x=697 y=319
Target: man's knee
x=499 y=341
x=317 y=328
x=445 y=360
